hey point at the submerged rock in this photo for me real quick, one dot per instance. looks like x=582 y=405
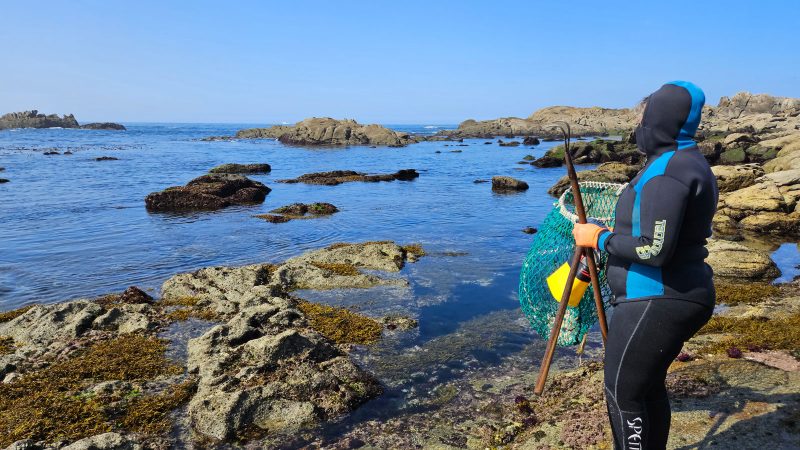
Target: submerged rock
x=106 y=158
x=104 y=126
x=208 y=192
x=299 y=211
x=336 y=177
x=241 y=168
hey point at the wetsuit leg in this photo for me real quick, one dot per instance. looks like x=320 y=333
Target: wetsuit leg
x=644 y=338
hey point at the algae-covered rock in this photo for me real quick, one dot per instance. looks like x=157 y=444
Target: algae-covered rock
x=336 y=177
x=508 y=184
x=234 y=168
x=610 y=172
x=208 y=192
x=732 y=178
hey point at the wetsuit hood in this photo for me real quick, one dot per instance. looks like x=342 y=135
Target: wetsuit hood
x=670 y=118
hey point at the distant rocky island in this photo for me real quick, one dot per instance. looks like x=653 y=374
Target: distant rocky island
x=32 y=119
x=326 y=131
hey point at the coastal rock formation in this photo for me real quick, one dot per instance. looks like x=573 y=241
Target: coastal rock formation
x=610 y=172
x=765 y=205
x=735 y=261
x=266 y=368
x=208 y=192
x=335 y=177
x=241 y=168
x=583 y=121
x=104 y=126
x=32 y=119
x=732 y=178
x=508 y=184
x=326 y=131
x=593 y=152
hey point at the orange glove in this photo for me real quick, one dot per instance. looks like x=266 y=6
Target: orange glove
x=586 y=234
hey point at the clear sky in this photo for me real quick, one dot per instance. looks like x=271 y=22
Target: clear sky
x=381 y=61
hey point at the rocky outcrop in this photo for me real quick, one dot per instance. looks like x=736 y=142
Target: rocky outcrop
x=241 y=168
x=508 y=184
x=32 y=119
x=765 y=205
x=104 y=126
x=326 y=131
x=593 y=152
x=735 y=261
x=336 y=177
x=266 y=368
x=584 y=122
x=611 y=172
x=208 y=192
x=732 y=178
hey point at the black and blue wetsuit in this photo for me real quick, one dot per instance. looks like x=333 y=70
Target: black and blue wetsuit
x=663 y=289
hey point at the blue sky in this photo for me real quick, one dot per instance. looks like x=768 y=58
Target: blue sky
x=380 y=61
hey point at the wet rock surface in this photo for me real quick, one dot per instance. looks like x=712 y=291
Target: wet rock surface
x=234 y=168
x=208 y=192
x=104 y=126
x=508 y=184
x=299 y=211
x=336 y=177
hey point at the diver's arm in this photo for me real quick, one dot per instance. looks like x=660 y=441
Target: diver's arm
x=662 y=204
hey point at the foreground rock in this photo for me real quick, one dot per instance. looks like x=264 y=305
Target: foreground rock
x=32 y=119
x=266 y=368
x=326 y=131
x=336 y=177
x=208 y=192
x=241 y=168
x=508 y=184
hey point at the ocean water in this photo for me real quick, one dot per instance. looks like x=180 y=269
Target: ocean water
x=74 y=227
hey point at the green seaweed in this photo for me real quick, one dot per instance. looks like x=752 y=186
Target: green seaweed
x=342 y=269
x=745 y=293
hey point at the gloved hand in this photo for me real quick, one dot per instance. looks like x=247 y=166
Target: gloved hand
x=586 y=234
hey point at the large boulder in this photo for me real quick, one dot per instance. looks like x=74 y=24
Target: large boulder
x=736 y=261
x=32 y=119
x=732 y=178
x=508 y=184
x=208 y=192
x=767 y=205
x=326 y=131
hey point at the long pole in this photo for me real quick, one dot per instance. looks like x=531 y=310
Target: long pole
x=589 y=254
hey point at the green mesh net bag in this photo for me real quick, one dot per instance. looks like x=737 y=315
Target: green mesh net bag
x=553 y=245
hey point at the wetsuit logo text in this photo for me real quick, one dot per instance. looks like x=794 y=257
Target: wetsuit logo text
x=646 y=251
x=635 y=438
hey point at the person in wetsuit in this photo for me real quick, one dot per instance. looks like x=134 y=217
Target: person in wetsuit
x=662 y=287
